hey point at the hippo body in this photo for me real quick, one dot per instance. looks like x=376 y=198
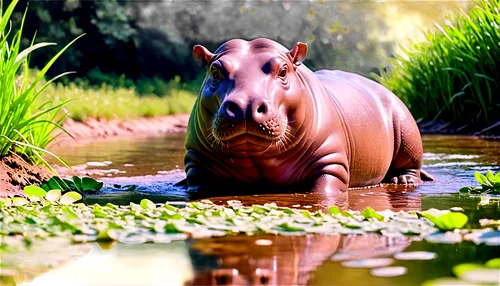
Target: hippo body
x=263 y=118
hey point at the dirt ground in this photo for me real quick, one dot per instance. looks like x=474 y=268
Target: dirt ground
x=16 y=173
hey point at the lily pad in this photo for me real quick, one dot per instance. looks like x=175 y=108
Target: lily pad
x=493 y=263
x=460 y=269
x=368 y=263
x=34 y=192
x=19 y=201
x=415 y=255
x=147 y=204
x=389 y=271
x=445 y=220
x=53 y=195
x=447 y=281
x=485 y=275
x=70 y=197
x=368 y=212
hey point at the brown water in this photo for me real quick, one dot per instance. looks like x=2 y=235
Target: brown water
x=244 y=260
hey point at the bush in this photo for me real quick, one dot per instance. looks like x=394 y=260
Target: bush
x=453 y=75
x=155 y=38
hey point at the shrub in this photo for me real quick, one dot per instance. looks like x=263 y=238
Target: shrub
x=453 y=74
x=22 y=125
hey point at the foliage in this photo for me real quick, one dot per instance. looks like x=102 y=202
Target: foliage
x=489 y=184
x=147 y=39
x=445 y=220
x=110 y=103
x=27 y=128
x=453 y=74
x=471 y=274
x=76 y=184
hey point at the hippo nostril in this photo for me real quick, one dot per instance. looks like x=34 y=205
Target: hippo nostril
x=232 y=109
x=262 y=108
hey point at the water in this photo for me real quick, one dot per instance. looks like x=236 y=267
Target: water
x=262 y=259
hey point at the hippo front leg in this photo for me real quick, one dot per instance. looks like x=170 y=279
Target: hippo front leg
x=332 y=184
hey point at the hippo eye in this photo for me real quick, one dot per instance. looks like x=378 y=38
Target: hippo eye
x=282 y=72
x=216 y=76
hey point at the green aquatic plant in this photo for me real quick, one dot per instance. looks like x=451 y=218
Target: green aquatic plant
x=489 y=184
x=471 y=274
x=445 y=220
x=25 y=129
x=76 y=184
x=452 y=75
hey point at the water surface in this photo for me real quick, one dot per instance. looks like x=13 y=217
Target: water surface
x=261 y=259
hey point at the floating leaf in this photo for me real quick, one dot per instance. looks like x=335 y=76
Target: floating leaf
x=333 y=210
x=389 y=271
x=53 y=195
x=445 y=220
x=70 y=197
x=368 y=213
x=34 y=191
x=147 y=204
x=483 y=275
x=446 y=282
x=415 y=255
x=460 y=269
x=368 y=263
x=493 y=263
x=19 y=201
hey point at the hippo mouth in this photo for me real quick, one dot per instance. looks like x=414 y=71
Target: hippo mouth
x=248 y=136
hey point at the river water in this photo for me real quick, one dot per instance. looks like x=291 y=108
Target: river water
x=153 y=164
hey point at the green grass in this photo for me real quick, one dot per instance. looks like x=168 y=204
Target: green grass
x=453 y=74
x=123 y=103
x=24 y=128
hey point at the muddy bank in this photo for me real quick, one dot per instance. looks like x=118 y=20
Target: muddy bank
x=16 y=173
x=101 y=128
x=491 y=132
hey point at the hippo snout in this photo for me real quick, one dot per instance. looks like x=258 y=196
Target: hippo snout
x=258 y=110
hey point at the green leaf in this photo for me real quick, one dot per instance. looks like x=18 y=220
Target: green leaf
x=34 y=191
x=333 y=210
x=460 y=269
x=493 y=263
x=490 y=176
x=68 y=213
x=287 y=227
x=53 y=195
x=89 y=184
x=368 y=212
x=464 y=190
x=99 y=212
x=445 y=220
x=481 y=179
x=346 y=214
x=19 y=201
x=147 y=204
x=78 y=183
x=497 y=177
x=70 y=197
x=55 y=183
x=306 y=214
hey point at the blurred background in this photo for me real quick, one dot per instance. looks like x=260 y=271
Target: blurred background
x=135 y=60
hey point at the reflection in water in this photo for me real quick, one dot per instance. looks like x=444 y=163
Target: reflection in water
x=271 y=260
x=288 y=260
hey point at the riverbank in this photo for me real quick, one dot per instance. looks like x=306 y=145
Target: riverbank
x=16 y=173
x=491 y=132
x=96 y=129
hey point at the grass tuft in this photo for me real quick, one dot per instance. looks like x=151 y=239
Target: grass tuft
x=25 y=127
x=453 y=74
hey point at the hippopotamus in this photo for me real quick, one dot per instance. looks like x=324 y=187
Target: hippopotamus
x=262 y=118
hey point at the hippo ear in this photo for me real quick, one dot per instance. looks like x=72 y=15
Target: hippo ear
x=298 y=53
x=202 y=55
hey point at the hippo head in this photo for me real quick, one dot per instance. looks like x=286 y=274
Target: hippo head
x=251 y=96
